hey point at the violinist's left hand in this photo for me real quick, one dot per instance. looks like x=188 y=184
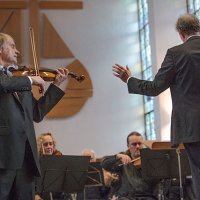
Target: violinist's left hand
x=61 y=76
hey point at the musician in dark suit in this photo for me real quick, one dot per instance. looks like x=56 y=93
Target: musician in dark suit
x=129 y=184
x=18 y=150
x=180 y=71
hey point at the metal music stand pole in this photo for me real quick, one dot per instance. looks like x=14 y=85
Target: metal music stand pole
x=51 y=197
x=161 y=189
x=180 y=174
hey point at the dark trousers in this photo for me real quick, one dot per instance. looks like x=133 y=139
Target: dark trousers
x=192 y=150
x=17 y=184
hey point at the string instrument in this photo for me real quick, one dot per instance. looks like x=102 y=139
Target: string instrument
x=45 y=73
x=110 y=178
x=136 y=162
x=57 y=153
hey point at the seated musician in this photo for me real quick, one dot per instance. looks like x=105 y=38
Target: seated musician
x=90 y=153
x=94 y=192
x=130 y=185
x=47 y=146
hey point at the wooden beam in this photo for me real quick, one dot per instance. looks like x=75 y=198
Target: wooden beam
x=13 y=5
x=10 y=23
x=61 y=4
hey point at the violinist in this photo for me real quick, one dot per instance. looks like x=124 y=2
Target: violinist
x=46 y=145
x=130 y=185
x=18 y=150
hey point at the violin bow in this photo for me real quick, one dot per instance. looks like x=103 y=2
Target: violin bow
x=32 y=38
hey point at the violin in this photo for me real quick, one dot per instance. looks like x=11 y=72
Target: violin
x=110 y=178
x=136 y=162
x=57 y=153
x=46 y=74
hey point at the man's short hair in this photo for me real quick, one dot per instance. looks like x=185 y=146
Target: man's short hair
x=131 y=134
x=188 y=24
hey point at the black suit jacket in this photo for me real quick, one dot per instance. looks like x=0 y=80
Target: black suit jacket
x=180 y=71
x=16 y=119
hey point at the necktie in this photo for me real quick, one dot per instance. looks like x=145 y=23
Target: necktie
x=5 y=71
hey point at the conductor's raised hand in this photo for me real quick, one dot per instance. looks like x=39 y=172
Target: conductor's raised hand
x=121 y=72
x=61 y=76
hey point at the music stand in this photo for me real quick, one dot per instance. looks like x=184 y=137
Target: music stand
x=63 y=173
x=95 y=177
x=163 y=164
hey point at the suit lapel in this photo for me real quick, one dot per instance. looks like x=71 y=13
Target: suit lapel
x=18 y=98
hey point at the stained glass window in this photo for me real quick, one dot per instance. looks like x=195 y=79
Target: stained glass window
x=193 y=6
x=145 y=49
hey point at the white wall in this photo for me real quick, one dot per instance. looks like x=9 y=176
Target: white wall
x=163 y=16
x=103 y=33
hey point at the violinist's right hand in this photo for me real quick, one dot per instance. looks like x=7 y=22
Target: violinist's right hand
x=38 y=81
x=125 y=159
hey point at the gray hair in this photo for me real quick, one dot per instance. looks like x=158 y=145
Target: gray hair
x=3 y=38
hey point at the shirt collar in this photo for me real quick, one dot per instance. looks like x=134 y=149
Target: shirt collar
x=192 y=36
x=8 y=72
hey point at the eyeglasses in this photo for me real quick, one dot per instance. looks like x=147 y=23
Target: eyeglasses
x=136 y=143
x=48 y=143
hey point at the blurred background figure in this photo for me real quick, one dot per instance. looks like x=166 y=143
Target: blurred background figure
x=91 y=153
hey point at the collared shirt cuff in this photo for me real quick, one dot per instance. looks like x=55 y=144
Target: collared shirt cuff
x=30 y=80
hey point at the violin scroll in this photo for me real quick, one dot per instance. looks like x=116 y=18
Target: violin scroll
x=79 y=78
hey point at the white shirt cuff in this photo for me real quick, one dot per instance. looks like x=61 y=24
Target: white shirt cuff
x=128 y=79
x=30 y=80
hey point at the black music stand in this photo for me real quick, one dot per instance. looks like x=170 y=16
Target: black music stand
x=165 y=164
x=63 y=173
x=95 y=178
x=95 y=175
